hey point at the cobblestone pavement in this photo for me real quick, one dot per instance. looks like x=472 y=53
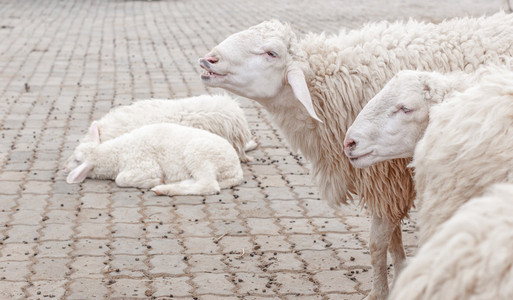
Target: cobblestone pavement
x=65 y=63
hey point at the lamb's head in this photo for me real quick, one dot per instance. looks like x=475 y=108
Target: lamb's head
x=392 y=122
x=259 y=63
x=82 y=164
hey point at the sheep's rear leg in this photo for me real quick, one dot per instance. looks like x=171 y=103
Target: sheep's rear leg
x=138 y=179
x=380 y=235
x=203 y=183
x=397 y=251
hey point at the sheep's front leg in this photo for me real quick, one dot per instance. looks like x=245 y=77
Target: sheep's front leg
x=380 y=235
x=397 y=251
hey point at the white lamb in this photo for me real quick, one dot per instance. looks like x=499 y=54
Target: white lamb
x=333 y=77
x=469 y=257
x=394 y=120
x=219 y=114
x=170 y=159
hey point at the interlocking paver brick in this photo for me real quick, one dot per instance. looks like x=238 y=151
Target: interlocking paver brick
x=86 y=288
x=54 y=249
x=168 y=264
x=172 y=287
x=51 y=269
x=218 y=283
x=47 y=289
x=88 y=267
x=66 y=63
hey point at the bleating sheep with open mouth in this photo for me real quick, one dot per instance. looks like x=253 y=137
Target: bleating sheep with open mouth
x=315 y=86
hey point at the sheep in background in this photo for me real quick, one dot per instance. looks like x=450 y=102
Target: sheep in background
x=466 y=145
x=162 y=157
x=394 y=120
x=469 y=257
x=219 y=114
x=333 y=77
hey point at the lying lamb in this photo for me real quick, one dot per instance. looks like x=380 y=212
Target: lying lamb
x=219 y=114
x=160 y=156
x=331 y=79
x=466 y=145
x=469 y=257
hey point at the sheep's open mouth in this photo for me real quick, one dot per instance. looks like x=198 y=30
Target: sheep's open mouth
x=209 y=74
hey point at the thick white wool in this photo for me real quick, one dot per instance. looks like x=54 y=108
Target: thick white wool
x=469 y=257
x=465 y=148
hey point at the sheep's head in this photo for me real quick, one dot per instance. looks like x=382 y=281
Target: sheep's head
x=392 y=122
x=79 y=162
x=258 y=63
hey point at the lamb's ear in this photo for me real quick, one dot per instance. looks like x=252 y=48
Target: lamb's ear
x=297 y=81
x=95 y=131
x=80 y=173
x=433 y=93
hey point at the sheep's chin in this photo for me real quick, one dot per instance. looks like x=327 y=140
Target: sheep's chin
x=363 y=161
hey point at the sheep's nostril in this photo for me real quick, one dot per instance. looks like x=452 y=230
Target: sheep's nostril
x=349 y=144
x=212 y=59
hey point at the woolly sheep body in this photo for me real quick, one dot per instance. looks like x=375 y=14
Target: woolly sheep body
x=219 y=114
x=469 y=257
x=169 y=158
x=465 y=148
x=340 y=74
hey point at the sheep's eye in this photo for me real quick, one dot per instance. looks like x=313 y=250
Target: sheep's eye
x=272 y=54
x=406 y=110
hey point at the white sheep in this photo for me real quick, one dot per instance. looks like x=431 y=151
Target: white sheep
x=333 y=77
x=462 y=149
x=469 y=257
x=170 y=159
x=219 y=114
x=394 y=120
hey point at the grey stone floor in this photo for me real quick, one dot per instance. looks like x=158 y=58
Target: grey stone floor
x=65 y=63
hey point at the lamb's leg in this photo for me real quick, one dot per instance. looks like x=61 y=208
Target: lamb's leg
x=397 y=251
x=203 y=183
x=251 y=145
x=188 y=187
x=380 y=235
x=137 y=178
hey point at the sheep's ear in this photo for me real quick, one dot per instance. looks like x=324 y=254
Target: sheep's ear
x=297 y=81
x=95 y=131
x=80 y=173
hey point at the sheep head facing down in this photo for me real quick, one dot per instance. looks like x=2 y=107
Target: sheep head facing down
x=260 y=63
x=81 y=162
x=394 y=120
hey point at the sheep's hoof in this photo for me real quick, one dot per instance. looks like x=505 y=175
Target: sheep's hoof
x=371 y=296
x=157 y=192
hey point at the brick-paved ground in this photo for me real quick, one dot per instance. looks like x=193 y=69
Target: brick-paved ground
x=65 y=63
